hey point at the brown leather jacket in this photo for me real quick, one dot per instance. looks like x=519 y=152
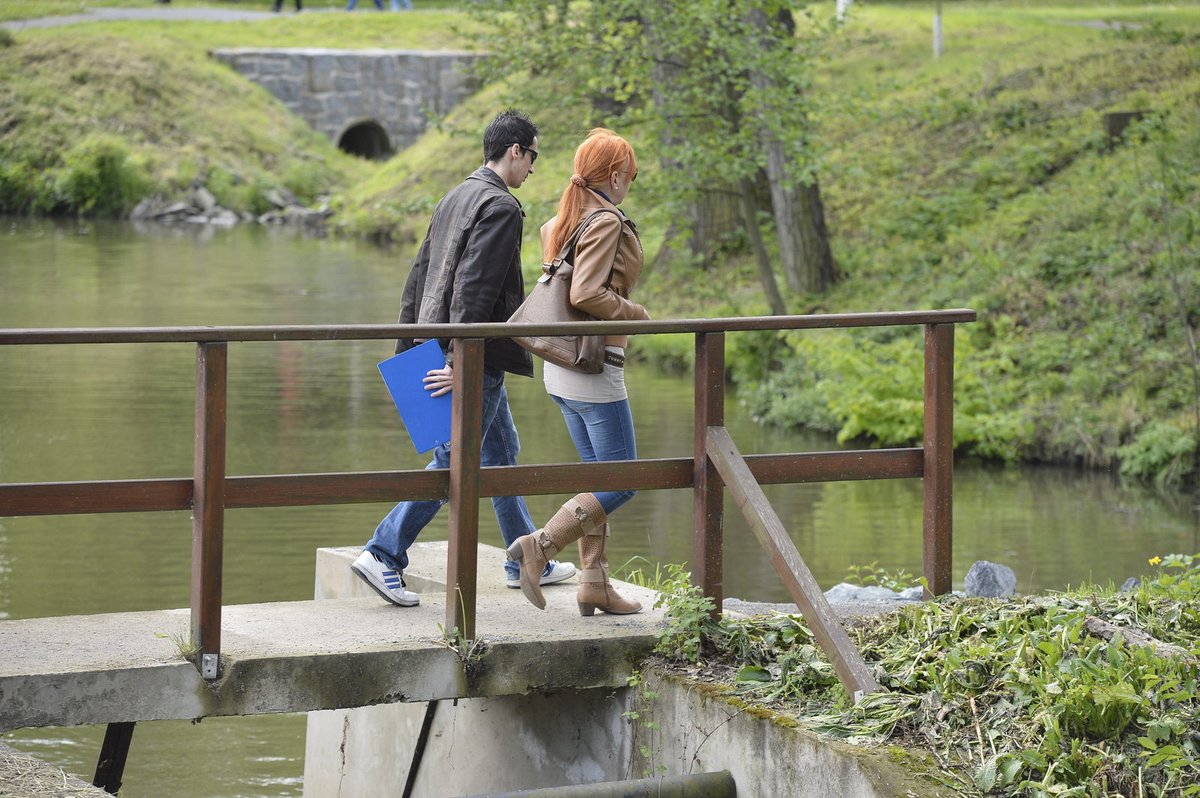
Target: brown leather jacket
x=608 y=263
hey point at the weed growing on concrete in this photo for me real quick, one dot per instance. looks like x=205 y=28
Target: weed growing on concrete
x=641 y=716
x=689 y=616
x=183 y=641
x=634 y=572
x=469 y=651
x=873 y=574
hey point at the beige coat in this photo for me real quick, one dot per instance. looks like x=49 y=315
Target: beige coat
x=608 y=263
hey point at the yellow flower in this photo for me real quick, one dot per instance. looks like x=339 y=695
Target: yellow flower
x=1155 y=560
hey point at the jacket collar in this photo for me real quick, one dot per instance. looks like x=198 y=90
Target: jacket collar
x=594 y=201
x=488 y=176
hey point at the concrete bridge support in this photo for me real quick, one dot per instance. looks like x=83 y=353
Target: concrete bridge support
x=370 y=103
x=480 y=746
x=474 y=745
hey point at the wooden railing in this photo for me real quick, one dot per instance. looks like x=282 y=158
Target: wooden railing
x=715 y=463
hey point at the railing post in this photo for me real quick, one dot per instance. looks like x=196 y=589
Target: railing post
x=939 y=457
x=708 y=489
x=208 y=504
x=466 y=433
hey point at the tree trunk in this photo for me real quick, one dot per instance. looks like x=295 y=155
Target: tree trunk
x=785 y=205
x=820 y=270
x=712 y=217
x=713 y=214
x=799 y=215
x=765 y=274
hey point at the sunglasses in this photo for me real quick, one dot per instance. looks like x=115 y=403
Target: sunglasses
x=533 y=154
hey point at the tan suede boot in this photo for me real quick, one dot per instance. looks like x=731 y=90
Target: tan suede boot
x=579 y=516
x=595 y=591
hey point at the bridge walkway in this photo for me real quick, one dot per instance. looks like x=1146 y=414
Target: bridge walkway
x=300 y=656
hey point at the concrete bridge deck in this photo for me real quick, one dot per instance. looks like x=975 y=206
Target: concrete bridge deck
x=310 y=655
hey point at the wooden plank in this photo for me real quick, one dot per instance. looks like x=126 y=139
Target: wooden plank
x=208 y=512
x=779 y=469
x=112 y=496
x=466 y=435
x=304 y=490
x=938 y=548
x=300 y=490
x=358 y=332
x=708 y=497
x=803 y=588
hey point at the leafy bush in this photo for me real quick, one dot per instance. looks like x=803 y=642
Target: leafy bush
x=1161 y=451
x=19 y=188
x=688 y=619
x=98 y=178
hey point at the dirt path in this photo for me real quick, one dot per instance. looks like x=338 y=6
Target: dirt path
x=152 y=14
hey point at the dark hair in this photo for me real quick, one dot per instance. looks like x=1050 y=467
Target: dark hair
x=509 y=127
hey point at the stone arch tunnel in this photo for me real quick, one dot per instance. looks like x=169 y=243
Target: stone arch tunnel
x=371 y=103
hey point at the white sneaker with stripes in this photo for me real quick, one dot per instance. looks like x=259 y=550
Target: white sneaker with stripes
x=385 y=581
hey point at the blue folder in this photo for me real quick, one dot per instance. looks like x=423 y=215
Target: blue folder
x=426 y=417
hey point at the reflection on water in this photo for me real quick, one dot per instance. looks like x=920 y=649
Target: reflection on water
x=93 y=412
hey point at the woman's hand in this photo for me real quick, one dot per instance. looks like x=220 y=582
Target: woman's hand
x=439 y=381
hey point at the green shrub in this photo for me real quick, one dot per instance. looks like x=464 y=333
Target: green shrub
x=1161 y=451
x=307 y=179
x=99 y=178
x=19 y=188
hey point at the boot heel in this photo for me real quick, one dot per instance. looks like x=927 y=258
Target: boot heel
x=515 y=552
x=587 y=610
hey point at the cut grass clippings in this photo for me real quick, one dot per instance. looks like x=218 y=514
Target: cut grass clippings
x=1008 y=697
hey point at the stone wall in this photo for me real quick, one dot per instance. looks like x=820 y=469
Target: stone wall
x=337 y=90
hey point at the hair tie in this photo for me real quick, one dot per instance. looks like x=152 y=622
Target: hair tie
x=579 y=181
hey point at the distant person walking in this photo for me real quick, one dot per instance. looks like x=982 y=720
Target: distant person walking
x=350 y=6
x=279 y=4
x=406 y=5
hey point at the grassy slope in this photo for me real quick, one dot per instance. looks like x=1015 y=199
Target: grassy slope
x=176 y=113
x=985 y=181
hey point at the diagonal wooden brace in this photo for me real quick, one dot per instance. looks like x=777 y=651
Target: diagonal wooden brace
x=803 y=588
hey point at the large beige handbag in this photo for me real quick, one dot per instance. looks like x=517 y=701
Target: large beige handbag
x=550 y=301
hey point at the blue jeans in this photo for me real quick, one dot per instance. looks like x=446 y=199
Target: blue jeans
x=601 y=431
x=397 y=531
x=405 y=4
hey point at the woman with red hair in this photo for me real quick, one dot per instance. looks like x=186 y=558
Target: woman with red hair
x=607 y=263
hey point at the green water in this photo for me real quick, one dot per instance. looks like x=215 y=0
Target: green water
x=126 y=411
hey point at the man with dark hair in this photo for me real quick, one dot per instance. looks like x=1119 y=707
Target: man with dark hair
x=469 y=273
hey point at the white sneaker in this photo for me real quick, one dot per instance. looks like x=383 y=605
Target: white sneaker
x=554 y=571
x=388 y=583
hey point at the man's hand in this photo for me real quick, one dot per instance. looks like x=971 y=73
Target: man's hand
x=439 y=381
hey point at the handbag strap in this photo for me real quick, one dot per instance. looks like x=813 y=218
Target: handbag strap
x=569 y=247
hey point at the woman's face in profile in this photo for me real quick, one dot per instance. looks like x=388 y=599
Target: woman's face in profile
x=620 y=182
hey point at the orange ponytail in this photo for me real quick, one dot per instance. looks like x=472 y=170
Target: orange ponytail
x=601 y=153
